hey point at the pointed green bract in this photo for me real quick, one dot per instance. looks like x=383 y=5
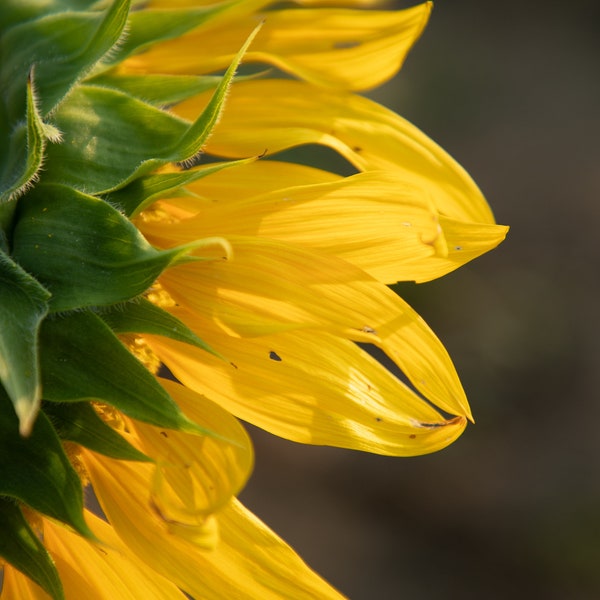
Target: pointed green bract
x=141 y=316
x=198 y=133
x=36 y=470
x=20 y=547
x=26 y=152
x=130 y=138
x=82 y=359
x=142 y=192
x=18 y=11
x=78 y=422
x=158 y=90
x=63 y=47
x=24 y=304
x=85 y=252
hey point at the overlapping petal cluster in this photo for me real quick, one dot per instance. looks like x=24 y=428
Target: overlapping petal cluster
x=152 y=214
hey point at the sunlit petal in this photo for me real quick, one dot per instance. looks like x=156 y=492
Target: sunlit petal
x=373 y=220
x=370 y=136
x=330 y=47
x=323 y=391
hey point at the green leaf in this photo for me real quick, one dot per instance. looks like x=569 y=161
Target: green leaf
x=20 y=547
x=112 y=139
x=36 y=470
x=26 y=154
x=83 y=250
x=23 y=306
x=78 y=422
x=82 y=359
x=63 y=46
x=141 y=316
x=139 y=194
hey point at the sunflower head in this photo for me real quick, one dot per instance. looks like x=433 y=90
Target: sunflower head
x=149 y=219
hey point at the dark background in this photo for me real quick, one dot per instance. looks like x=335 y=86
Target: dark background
x=512 y=510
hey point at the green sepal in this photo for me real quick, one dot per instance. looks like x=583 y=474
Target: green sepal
x=82 y=359
x=142 y=192
x=158 y=90
x=26 y=152
x=23 y=306
x=36 y=470
x=22 y=548
x=141 y=316
x=63 y=46
x=17 y=11
x=83 y=250
x=130 y=138
x=79 y=422
x=198 y=133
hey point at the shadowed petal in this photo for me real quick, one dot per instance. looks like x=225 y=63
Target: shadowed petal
x=249 y=562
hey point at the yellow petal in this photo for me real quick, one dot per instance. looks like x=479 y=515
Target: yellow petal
x=108 y=572
x=16 y=586
x=329 y=47
x=373 y=220
x=92 y=571
x=313 y=389
x=194 y=475
x=196 y=3
x=249 y=561
x=465 y=241
x=370 y=136
x=271 y=287
x=260 y=177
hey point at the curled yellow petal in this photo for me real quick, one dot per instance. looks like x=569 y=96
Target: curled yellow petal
x=196 y=475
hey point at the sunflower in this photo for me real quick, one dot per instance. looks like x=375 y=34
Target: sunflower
x=171 y=262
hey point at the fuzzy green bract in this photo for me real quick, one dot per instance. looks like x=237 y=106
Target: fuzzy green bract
x=78 y=157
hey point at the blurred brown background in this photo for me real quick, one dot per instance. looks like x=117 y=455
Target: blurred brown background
x=512 y=510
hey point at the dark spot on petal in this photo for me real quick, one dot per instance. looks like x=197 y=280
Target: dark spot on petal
x=412 y=436
x=164 y=434
x=378 y=419
x=233 y=365
x=341 y=45
x=357 y=149
x=274 y=356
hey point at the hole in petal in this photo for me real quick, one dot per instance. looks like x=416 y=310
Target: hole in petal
x=274 y=356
